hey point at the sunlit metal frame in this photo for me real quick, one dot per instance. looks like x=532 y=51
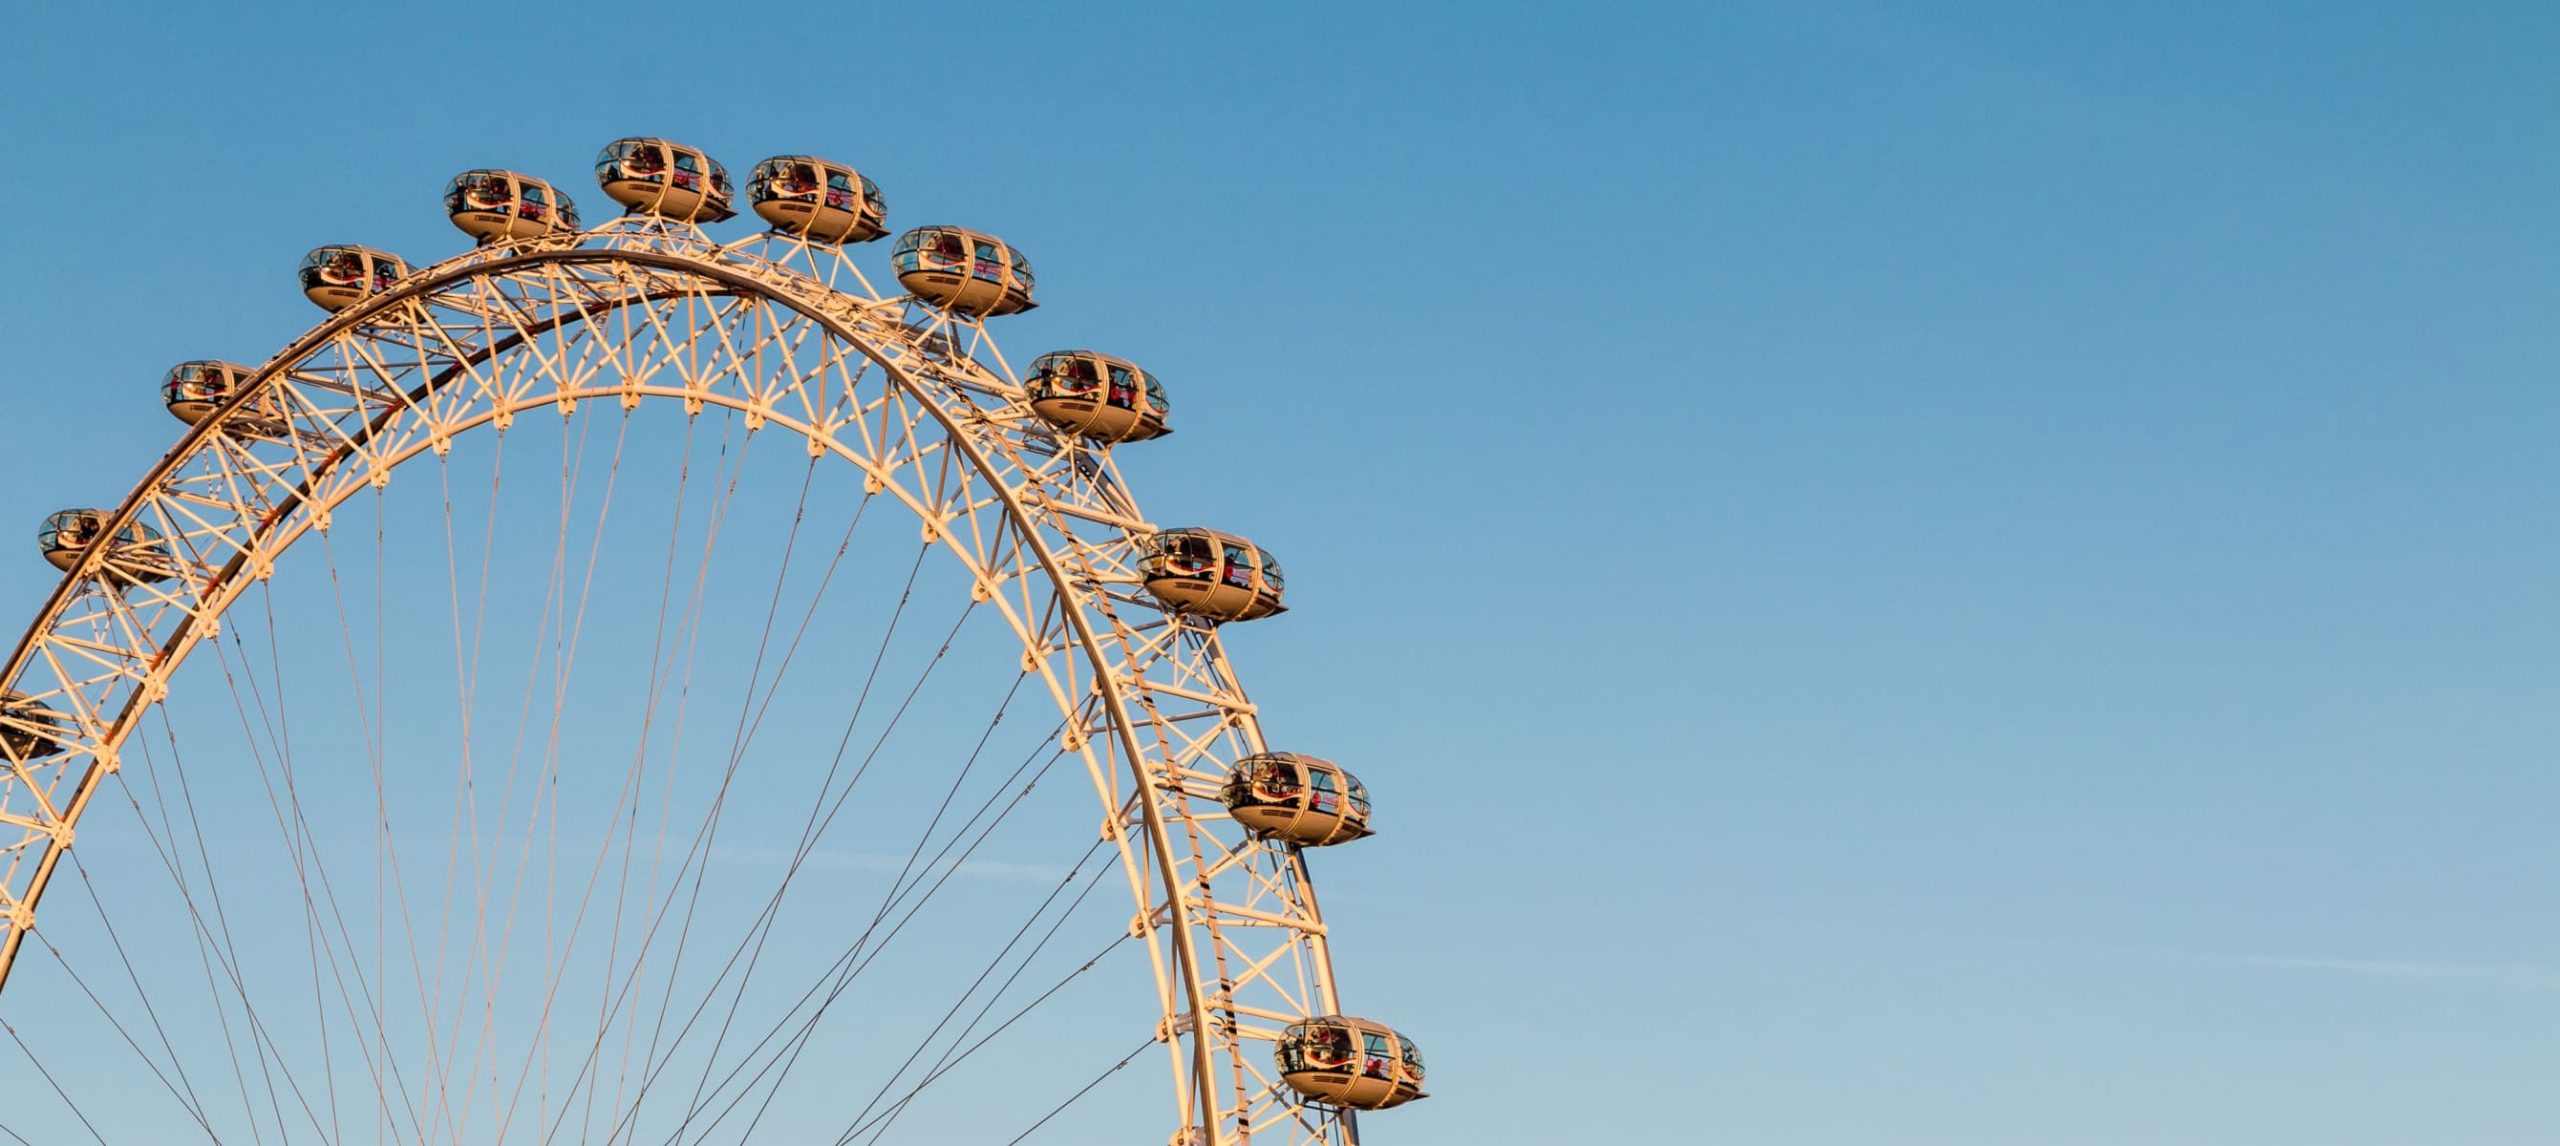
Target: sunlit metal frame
x=788 y=334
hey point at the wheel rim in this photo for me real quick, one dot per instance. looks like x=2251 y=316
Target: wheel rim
x=1041 y=524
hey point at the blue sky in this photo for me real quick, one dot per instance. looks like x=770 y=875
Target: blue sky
x=1900 y=575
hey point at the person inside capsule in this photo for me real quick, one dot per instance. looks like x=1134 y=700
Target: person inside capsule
x=1379 y=1059
x=1325 y=798
x=1275 y=784
x=76 y=531
x=1188 y=555
x=1328 y=1047
x=343 y=267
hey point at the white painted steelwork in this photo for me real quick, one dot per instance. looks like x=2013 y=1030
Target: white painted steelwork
x=790 y=335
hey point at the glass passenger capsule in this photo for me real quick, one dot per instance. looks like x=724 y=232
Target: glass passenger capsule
x=491 y=206
x=1209 y=574
x=1097 y=396
x=338 y=277
x=137 y=553
x=808 y=196
x=1300 y=799
x=959 y=269
x=194 y=390
x=669 y=180
x=30 y=729
x=1342 y=1061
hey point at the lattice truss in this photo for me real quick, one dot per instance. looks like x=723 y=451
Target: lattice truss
x=790 y=335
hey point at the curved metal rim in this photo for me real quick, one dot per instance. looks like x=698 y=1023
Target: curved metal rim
x=419 y=285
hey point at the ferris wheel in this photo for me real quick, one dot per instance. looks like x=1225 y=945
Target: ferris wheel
x=541 y=768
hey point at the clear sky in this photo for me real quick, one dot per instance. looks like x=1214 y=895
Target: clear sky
x=1971 y=574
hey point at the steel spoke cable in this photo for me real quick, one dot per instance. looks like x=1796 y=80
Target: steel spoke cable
x=660 y=670
x=371 y=727
x=702 y=839
x=689 y=631
x=260 y=1045
x=762 y=929
x=566 y=644
x=773 y=610
x=387 y=871
x=690 y=624
x=173 y=862
x=464 y=834
x=549 y=778
x=281 y=734
x=857 y=1130
x=813 y=832
x=466 y=685
x=998 y=994
x=1003 y=953
x=809 y=615
x=708 y=832
x=760 y=932
x=850 y=965
x=270 y=1057
x=209 y=949
x=1132 y=1056
x=538 y=1050
x=70 y=969
x=298 y=841
x=953 y=791
x=381 y=719
x=547 y=634
x=922 y=901
x=843 y=965
x=927 y=834
x=704 y=835
x=377 y=1058
x=844 y=545
x=224 y=948
x=193 y=1101
x=38 y=1063
x=466 y=682
x=761 y=926
x=208 y=952
x=898 y=894
x=660 y=677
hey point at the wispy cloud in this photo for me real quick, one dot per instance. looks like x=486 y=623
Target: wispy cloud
x=886 y=864
x=2514 y=975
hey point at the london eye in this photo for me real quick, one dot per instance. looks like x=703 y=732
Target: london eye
x=620 y=683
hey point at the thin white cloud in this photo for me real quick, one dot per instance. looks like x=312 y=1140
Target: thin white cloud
x=2517 y=975
x=885 y=864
